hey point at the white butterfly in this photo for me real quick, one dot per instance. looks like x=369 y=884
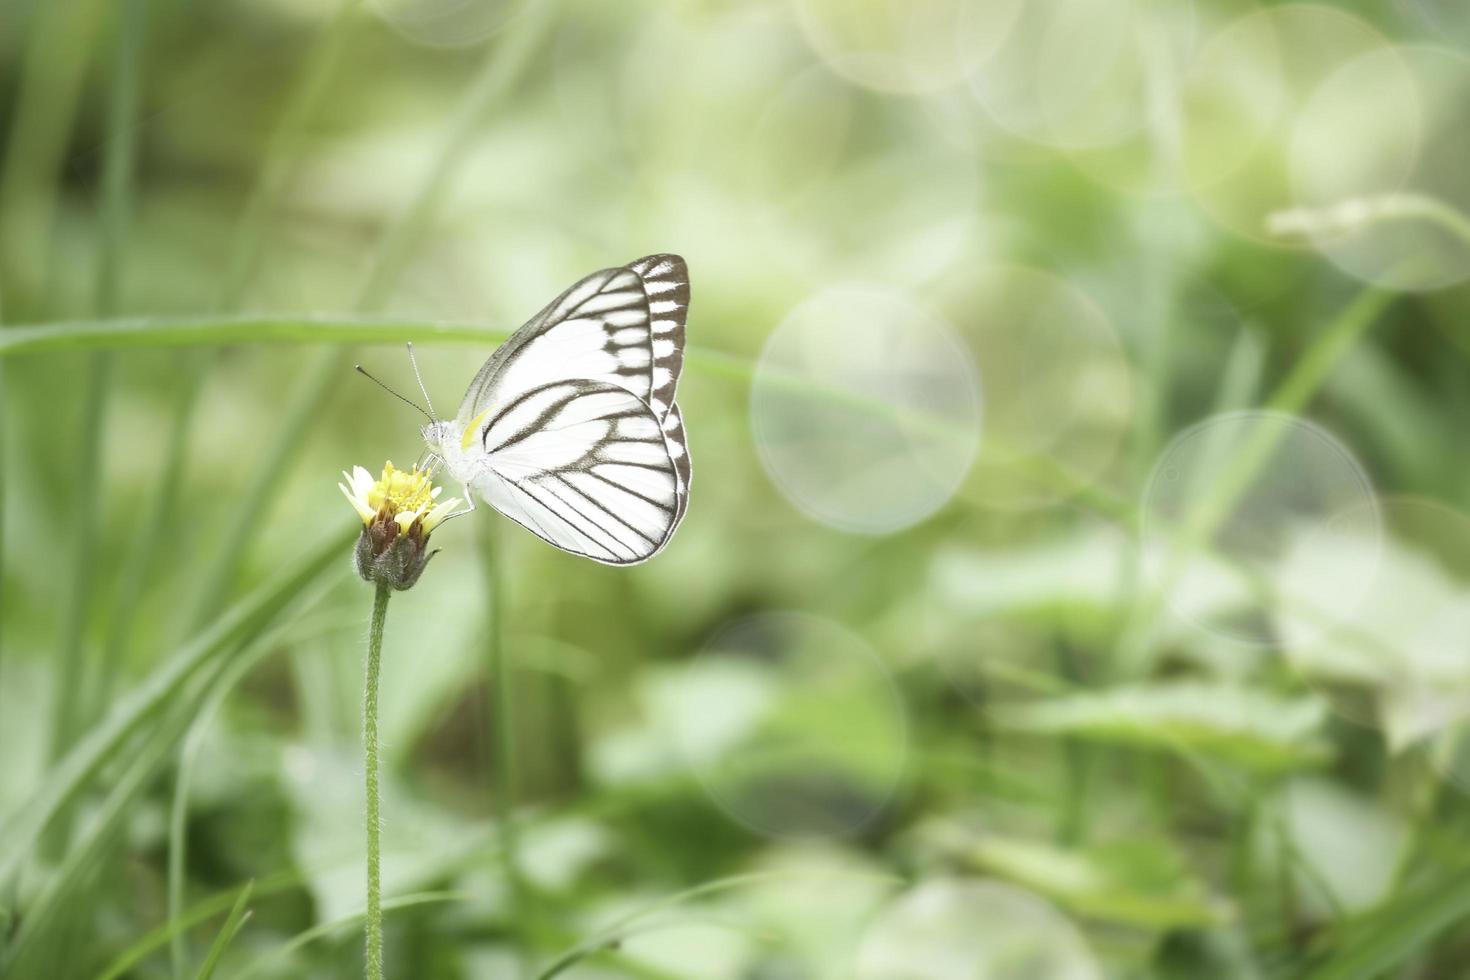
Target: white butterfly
x=570 y=428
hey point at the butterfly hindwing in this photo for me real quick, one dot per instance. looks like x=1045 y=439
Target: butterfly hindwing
x=588 y=466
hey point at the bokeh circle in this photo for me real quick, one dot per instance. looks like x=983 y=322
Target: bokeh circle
x=1243 y=97
x=448 y=23
x=1059 y=388
x=1225 y=504
x=905 y=46
x=1084 y=73
x=1380 y=165
x=866 y=409
x=1400 y=658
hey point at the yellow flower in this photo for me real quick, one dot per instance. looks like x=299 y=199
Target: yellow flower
x=404 y=497
x=398 y=511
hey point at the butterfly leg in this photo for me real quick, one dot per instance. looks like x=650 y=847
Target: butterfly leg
x=469 y=508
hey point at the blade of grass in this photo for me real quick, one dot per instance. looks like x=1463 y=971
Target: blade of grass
x=58 y=48
x=19 y=834
x=305 y=100
x=356 y=919
x=610 y=936
x=503 y=65
x=4 y=506
x=239 y=665
x=1374 y=945
x=201 y=911
x=1292 y=395
x=245 y=252
x=34 y=952
x=116 y=207
x=200 y=692
x=221 y=329
x=232 y=925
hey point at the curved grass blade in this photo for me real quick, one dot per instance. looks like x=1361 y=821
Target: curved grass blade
x=356 y=919
x=58 y=50
x=1375 y=944
x=119 y=154
x=238 y=667
x=232 y=925
x=201 y=911
x=34 y=952
x=624 y=926
x=19 y=835
x=221 y=329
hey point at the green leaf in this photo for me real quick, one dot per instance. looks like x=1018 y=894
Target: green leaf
x=1234 y=724
x=1143 y=883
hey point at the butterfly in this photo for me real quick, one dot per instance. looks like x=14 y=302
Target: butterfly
x=570 y=429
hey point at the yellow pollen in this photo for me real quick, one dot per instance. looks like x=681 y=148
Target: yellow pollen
x=402 y=491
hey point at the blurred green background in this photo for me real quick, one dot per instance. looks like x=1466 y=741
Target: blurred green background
x=1075 y=584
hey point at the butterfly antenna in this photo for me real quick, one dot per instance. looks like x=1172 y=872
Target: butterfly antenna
x=407 y=401
x=420 y=379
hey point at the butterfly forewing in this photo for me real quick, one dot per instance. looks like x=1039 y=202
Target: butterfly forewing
x=623 y=326
x=585 y=465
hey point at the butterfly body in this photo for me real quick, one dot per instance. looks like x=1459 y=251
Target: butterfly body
x=570 y=428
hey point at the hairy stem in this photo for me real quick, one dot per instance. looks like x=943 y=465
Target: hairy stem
x=374 y=921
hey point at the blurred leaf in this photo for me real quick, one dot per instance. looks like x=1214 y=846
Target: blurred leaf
x=1235 y=724
x=1084 y=569
x=1144 y=883
x=1403 y=637
x=1324 y=821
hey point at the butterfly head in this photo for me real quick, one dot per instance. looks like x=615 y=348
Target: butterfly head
x=438 y=436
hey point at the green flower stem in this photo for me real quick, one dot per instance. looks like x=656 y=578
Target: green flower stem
x=374 y=922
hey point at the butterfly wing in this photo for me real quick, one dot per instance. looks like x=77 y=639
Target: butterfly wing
x=587 y=465
x=575 y=416
x=622 y=326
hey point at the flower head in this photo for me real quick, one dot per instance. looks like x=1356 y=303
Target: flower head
x=398 y=511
